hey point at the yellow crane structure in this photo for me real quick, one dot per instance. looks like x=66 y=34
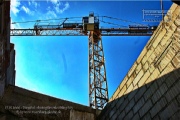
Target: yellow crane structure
x=98 y=88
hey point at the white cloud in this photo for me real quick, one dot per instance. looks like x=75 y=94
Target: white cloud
x=35 y=4
x=59 y=8
x=50 y=14
x=32 y=2
x=48 y=8
x=14 y=6
x=27 y=10
x=60 y=11
x=66 y=6
x=54 y=1
x=29 y=3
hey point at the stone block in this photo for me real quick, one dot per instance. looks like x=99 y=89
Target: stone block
x=123 y=106
x=122 y=91
x=166 y=60
x=175 y=13
x=147 y=116
x=178 y=100
x=111 y=113
x=173 y=8
x=155 y=74
x=151 y=68
x=144 y=51
x=132 y=94
x=130 y=105
x=177 y=21
x=129 y=89
x=148 y=94
x=176 y=44
x=149 y=52
x=144 y=60
x=114 y=116
x=169 y=68
x=136 y=117
x=144 y=79
x=121 y=115
x=176 y=61
x=119 y=103
x=158 y=51
x=156 y=96
x=138 y=77
x=138 y=68
x=177 y=32
x=163 y=88
x=115 y=95
x=176 y=116
x=151 y=59
x=140 y=93
x=173 y=27
x=146 y=66
x=167 y=39
x=158 y=106
x=161 y=80
x=132 y=69
x=129 y=115
x=135 y=87
x=145 y=108
x=170 y=80
x=169 y=110
x=159 y=37
x=113 y=105
x=131 y=79
x=138 y=105
x=170 y=95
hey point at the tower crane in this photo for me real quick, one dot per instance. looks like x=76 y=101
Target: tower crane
x=98 y=88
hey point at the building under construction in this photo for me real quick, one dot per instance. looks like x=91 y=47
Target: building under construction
x=150 y=90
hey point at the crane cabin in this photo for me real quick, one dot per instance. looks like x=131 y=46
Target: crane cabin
x=90 y=23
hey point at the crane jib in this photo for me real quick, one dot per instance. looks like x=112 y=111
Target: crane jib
x=80 y=32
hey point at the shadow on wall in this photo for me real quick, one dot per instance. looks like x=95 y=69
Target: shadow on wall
x=159 y=99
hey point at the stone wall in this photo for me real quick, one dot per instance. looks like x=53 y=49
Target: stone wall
x=18 y=103
x=151 y=89
x=7 y=53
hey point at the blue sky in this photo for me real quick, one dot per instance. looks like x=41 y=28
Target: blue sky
x=58 y=66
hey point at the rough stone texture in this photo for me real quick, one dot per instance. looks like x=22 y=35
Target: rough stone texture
x=150 y=90
x=76 y=115
x=18 y=103
x=7 y=52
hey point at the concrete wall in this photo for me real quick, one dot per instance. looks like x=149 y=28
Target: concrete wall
x=21 y=103
x=151 y=89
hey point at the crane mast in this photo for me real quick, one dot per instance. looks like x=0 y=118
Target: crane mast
x=98 y=87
